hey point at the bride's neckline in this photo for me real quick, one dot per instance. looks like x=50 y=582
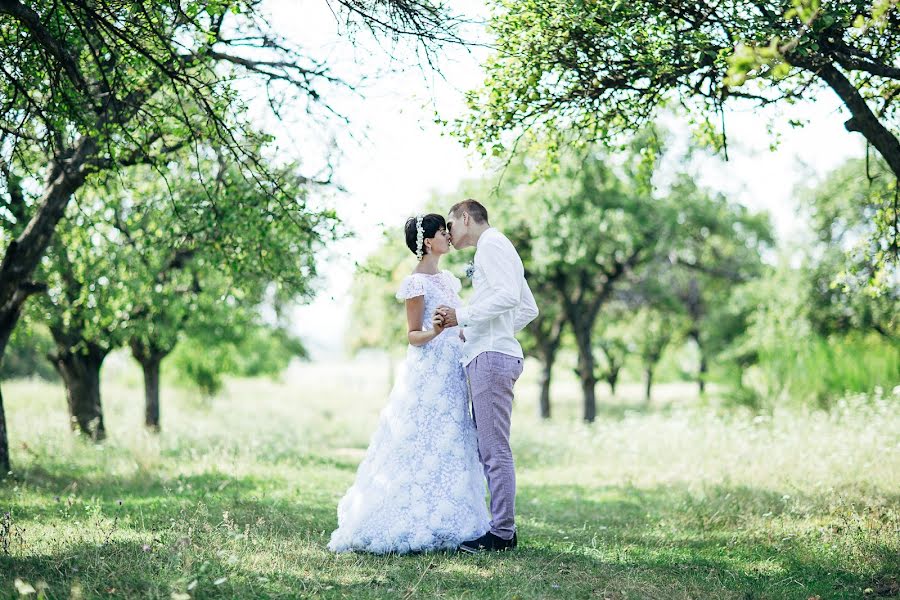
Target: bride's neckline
x=427 y=274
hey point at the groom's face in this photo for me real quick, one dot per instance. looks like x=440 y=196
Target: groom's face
x=457 y=227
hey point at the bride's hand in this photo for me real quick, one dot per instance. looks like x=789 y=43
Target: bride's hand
x=437 y=322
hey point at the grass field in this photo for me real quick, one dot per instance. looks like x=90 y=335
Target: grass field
x=236 y=498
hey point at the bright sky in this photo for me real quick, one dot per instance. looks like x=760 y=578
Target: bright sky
x=405 y=157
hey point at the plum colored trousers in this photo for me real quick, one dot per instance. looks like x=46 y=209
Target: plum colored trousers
x=492 y=376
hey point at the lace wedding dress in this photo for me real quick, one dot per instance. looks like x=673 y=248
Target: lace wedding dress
x=420 y=486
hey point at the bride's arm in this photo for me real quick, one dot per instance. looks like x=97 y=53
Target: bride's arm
x=415 y=310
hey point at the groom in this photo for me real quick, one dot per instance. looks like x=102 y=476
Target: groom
x=501 y=305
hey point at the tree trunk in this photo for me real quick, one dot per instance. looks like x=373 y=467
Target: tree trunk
x=80 y=371
x=8 y=319
x=612 y=378
x=547 y=335
x=704 y=369
x=581 y=313
x=151 y=393
x=740 y=376
x=546 y=377
x=649 y=375
x=586 y=372
x=5 y=465
x=694 y=334
x=695 y=307
x=4 y=443
x=150 y=358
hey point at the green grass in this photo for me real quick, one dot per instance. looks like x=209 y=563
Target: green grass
x=236 y=498
x=818 y=371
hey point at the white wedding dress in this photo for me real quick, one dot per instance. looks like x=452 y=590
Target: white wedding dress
x=421 y=485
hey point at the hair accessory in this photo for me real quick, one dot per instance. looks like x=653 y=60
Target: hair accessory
x=420 y=237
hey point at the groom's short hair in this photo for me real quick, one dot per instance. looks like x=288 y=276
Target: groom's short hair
x=475 y=209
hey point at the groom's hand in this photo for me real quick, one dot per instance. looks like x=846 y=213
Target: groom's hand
x=448 y=314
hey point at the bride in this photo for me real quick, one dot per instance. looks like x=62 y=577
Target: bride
x=420 y=486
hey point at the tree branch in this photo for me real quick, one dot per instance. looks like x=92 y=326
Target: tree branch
x=863 y=120
x=869 y=66
x=32 y=22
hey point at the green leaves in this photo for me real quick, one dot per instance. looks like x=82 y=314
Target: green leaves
x=600 y=69
x=566 y=73
x=747 y=61
x=377 y=319
x=152 y=259
x=855 y=278
x=804 y=10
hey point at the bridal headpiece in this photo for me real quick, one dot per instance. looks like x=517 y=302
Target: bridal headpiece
x=420 y=237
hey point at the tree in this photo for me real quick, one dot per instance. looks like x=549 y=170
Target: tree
x=653 y=329
x=198 y=271
x=614 y=352
x=775 y=309
x=80 y=309
x=241 y=346
x=602 y=70
x=592 y=222
x=145 y=261
x=788 y=359
x=843 y=214
x=103 y=85
x=654 y=315
x=99 y=86
x=612 y=340
x=728 y=340
x=720 y=245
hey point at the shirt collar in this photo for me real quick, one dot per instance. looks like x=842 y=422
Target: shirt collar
x=489 y=230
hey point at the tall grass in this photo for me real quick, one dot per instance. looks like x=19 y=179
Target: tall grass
x=818 y=371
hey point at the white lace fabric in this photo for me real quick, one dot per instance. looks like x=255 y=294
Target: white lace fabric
x=420 y=486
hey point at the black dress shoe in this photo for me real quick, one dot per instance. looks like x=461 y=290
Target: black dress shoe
x=489 y=542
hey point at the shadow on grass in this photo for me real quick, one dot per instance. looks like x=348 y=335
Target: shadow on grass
x=739 y=539
x=150 y=503
x=613 y=541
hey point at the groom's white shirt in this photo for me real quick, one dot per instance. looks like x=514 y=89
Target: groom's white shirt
x=502 y=303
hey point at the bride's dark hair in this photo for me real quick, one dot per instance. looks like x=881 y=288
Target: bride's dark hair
x=431 y=223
